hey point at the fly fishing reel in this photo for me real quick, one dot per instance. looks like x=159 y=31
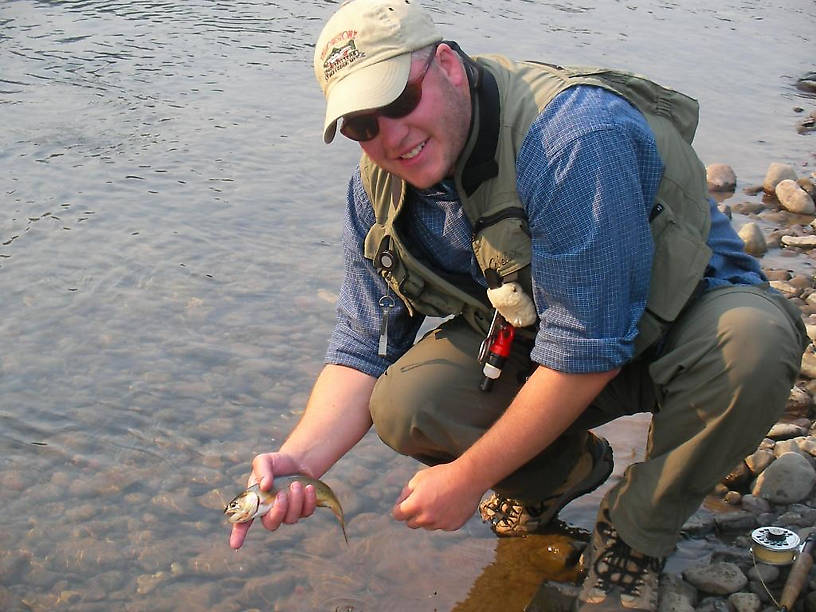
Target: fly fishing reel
x=774 y=545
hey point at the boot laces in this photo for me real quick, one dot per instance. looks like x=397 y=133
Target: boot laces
x=510 y=510
x=618 y=566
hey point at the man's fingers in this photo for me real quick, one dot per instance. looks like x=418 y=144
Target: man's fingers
x=400 y=512
x=272 y=519
x=309 y=500
x=262 y=472
x=238 y=534
x=295 y=503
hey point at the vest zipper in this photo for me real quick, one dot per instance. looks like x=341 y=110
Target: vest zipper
x=508 y=213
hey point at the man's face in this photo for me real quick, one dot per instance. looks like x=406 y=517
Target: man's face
x=423 y=146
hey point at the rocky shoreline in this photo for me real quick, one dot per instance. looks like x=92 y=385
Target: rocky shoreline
x=774 y=486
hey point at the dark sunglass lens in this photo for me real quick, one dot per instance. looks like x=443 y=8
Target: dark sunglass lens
x=360 y=128
x=405 y=104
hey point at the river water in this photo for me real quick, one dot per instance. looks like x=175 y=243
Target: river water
x=169 y=260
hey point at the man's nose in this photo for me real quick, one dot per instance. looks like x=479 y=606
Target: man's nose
x=392 y=131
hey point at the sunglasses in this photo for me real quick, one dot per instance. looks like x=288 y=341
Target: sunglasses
x=364 y=126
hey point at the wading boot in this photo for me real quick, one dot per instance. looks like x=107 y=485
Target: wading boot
x=511 y=517
x=618 y=577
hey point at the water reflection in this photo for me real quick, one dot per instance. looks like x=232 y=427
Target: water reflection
x=169 y=261
x=521 y=564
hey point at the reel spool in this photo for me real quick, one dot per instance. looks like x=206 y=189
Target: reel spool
x=774 y=545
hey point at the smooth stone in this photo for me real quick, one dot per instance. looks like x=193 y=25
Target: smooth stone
x=755 y=504
x=748 y=208
x=802 y=242
x=745 y=602
x=713 y=604
x=777 y=172
x=721 y=578
x=799 y=399
x=789 y=446
x=793 y=198
x=740 y=520
x=785 y=431
x=807 y=444
x=721 y=177
x=754 y=240
x=808 y=367
x=785 y=288
x=759 y=460
x=764 y=572
x=787 y=480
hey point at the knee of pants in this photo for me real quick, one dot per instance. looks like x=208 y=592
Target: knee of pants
x=758 y=348
x=740 y=356
x=394 y=414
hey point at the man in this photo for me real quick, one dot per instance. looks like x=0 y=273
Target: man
x=571 y=202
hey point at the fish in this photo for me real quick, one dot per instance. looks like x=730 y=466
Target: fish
x=253 y=502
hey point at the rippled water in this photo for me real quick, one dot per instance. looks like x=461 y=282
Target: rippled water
x=169 y=259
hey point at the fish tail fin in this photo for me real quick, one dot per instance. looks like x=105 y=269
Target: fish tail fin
x=338 y=512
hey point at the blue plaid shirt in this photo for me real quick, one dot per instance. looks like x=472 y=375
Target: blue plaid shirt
x=587 y=174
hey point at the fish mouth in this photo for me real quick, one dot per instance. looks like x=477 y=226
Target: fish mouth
x=248 y=510
x=243 y=508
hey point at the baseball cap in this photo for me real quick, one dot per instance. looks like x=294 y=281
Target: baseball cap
x=363 y=55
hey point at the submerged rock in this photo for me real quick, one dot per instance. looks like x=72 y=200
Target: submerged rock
x=776 y=173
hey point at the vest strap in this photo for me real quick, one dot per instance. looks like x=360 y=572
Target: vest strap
x=481 y=165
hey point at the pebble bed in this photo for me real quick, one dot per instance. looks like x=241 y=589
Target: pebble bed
x=774 y=486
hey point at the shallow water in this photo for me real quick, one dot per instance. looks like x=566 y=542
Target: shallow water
x=168 y=268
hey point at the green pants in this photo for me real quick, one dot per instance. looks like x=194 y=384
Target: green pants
x=719 y=382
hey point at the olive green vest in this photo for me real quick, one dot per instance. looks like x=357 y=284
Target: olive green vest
x=506 y=98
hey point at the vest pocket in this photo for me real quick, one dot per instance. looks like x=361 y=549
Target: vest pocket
x=680 y=256
x=504 y=245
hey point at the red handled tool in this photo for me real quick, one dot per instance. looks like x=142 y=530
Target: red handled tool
x=501 y=341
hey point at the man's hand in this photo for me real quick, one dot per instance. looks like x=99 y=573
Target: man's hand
x=438 y=497
x=290 y=505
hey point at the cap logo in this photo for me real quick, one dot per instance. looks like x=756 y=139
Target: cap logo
x=339 y=52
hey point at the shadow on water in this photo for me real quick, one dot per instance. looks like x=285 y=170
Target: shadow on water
x=521 y=564
x=169 y=262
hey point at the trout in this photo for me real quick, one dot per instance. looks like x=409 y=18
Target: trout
x=253 y=502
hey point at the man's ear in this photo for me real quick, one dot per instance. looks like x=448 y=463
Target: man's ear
x=451 y=65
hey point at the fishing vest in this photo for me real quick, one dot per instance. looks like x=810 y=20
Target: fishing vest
x=506 y=98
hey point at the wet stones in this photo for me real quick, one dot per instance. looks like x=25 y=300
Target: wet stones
x=753 y=238
x=794 y=198
x=787 y=480
x=776 y=483
x=745 y=602
x=721 y=178
x=786 y=431
x=721 y=578
x=788 y=202
x=676 y=595
x=803 y=242
x=777 y=173
x=759 y=460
